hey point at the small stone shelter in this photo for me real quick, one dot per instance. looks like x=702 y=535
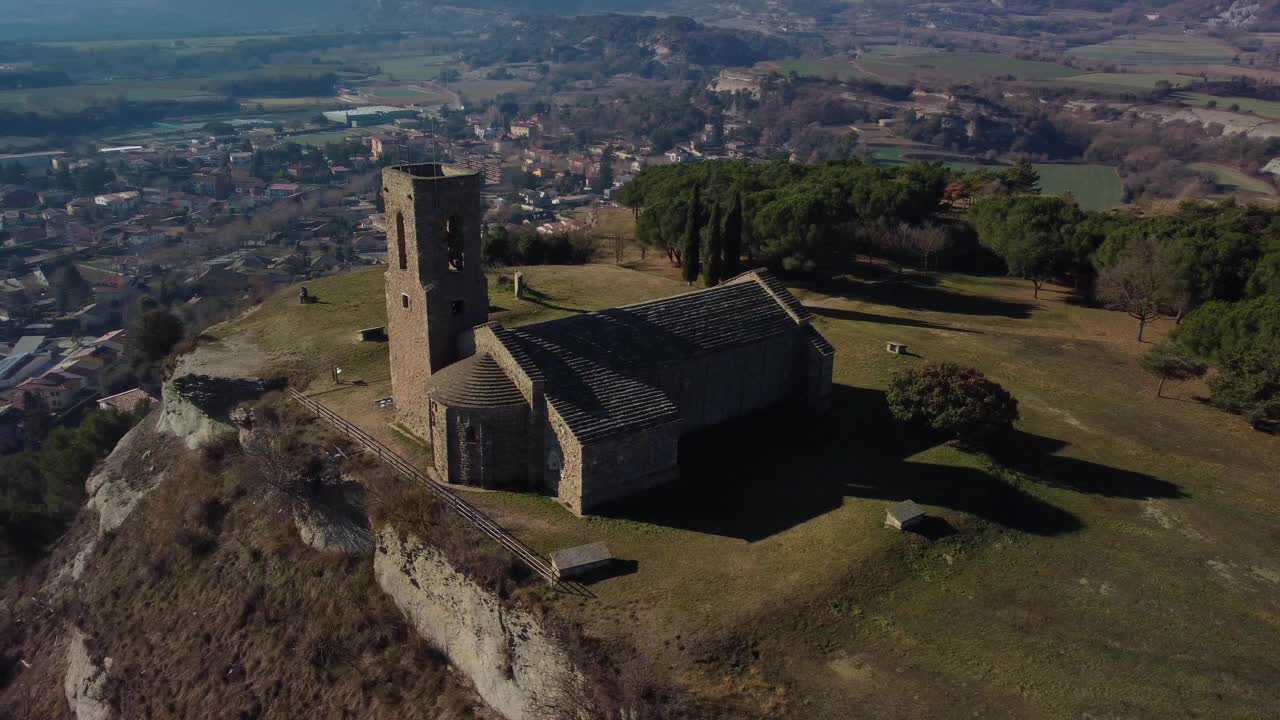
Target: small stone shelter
x=590 y=407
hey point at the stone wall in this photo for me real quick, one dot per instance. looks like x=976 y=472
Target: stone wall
x=514 y=661
x=627 y=464
x=486 y=446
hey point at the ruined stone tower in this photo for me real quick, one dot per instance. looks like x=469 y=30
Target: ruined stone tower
x=435 y=285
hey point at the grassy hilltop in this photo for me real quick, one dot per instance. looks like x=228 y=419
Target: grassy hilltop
x=1118 y=558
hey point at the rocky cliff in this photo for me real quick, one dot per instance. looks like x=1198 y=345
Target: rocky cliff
x=514 y=661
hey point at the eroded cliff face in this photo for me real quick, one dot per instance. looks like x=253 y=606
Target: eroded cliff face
x=514 y=661
x=206 y=384
x=86 y=681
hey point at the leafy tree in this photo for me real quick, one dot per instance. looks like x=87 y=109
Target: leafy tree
x=1029 y=233
x=713 y=249
x=1218 y=329
x=155 y=334
x=1169 y=361
x=689 y=250
x=952 y=399
x=733 y=236
x=1248 y=383
x=1021 y=178
x=1140 y=282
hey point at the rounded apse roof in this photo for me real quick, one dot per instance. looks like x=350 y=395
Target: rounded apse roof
x=475 y=382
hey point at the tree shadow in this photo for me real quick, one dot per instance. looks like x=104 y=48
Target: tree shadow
x=760 y=475
x=913 y=296
x=538 y=298
x=839 y=314
x=1037 y=457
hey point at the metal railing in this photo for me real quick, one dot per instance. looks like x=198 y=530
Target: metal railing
x=478 y=519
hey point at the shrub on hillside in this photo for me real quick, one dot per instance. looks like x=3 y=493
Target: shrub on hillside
x=952 y=399
x=1248 y=383
x=501 y=247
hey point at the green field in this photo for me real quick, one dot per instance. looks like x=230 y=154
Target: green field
x=1262 y=108
x=17 y=143
x=962 y=66
x=1141 y=81
x=892 y=64
x=1159 y=50
x=1233 y=180
x=417 y=68
x=1095 y=187
x=1118 y=555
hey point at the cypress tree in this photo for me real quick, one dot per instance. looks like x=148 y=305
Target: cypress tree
x=692 y=238
x=732 y=253
x=713 y=249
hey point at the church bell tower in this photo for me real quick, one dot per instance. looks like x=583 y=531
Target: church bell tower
x=435 y=285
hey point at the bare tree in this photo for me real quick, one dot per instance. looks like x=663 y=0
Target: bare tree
x=284 y=465
x=1139 y=282
x=927 y=240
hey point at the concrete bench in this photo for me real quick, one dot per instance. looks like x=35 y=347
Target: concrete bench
x=896 y=348
x=575 y=561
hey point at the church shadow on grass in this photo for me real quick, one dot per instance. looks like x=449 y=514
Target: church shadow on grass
x=761 y=475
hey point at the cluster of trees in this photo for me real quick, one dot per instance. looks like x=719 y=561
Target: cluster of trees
x=278 y=85
x=501 y=247
x=953 y=400
x=44 y=485
x=805 y=218
x=1214 y=267
x=625 y=43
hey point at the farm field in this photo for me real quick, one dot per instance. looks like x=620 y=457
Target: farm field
x=1095 y=187
x=1141 y=81
x=417 y=68
x=963 y=66
x=1261 y=108
x=17 y=143
x=1233 y=180
x=1117 y=554
x=1158 y=50
x=901 y=67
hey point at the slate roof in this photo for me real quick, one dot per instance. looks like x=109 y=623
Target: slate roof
x=591 y=362
x=477 y=381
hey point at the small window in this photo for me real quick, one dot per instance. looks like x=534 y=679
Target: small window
x=457 y=307
x=454 y=243
x=404 y=301
x=400 y=244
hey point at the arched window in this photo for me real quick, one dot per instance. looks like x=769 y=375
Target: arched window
x=454 y=242
x=400 y=252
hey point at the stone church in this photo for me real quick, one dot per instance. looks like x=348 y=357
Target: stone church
x=589 y=407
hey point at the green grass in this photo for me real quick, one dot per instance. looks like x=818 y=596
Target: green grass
x=1233 y=180
x=1153 y=49
x=963 y=66
x=820 y=69
x=1262 y=108
x=1140 y=81
x=1119 y=556
x=1095 y=187
x=412 y=69
x=886 y=64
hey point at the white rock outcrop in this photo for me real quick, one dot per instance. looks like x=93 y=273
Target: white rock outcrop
x=514 y=662
x=116 y=487
x=86 y=681
x=206 y=384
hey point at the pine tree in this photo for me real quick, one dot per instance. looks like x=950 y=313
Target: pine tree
x=713 y=249
x=732 y=253
x=692 y=242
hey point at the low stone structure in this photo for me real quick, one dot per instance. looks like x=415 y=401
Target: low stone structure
x=580 y=560
x=589 y=407
x=904 y=515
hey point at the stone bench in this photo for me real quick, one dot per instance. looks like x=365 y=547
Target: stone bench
x=575 y=561
x=904 y=515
